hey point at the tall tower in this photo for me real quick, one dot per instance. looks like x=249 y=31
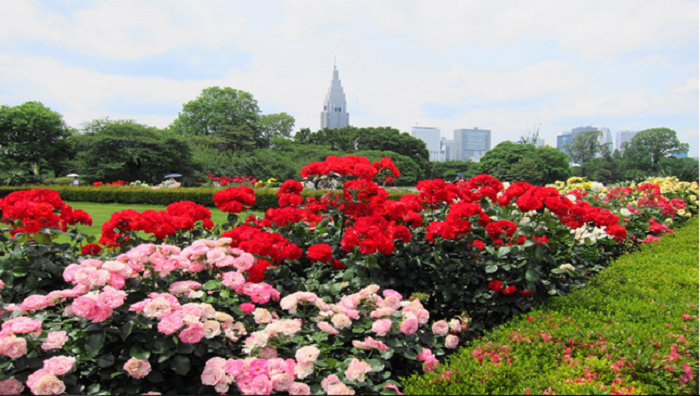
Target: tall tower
x=334 y=114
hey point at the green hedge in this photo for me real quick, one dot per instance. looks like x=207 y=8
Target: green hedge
x=627 y=319
x=265 y=197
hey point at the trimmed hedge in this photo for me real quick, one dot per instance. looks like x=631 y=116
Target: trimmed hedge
x=265 y=198
x=633 y=329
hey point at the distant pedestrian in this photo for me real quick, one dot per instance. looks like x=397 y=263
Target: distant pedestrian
x=323 y=184
x=334 y=181
x=308 y=185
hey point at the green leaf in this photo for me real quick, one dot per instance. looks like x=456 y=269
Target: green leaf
x=95 y=343
x=139 y=353
x=212 y=284
x=126 y=330
x=531 y=276
x=181 y=365
x=155 y=377
x=106 y=361
x=93 y=389
x=410 y=354
x=491 y=268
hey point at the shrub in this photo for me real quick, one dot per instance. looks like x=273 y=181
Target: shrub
x=634 y=329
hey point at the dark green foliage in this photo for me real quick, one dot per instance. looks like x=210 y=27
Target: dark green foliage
x=512 y=162
x=635 y=309
x=32 y=134
x=448 y=170
x=125 y=150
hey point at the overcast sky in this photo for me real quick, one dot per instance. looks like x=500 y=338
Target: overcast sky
x=508 y=66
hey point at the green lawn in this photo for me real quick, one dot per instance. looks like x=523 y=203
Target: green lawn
x=101 y=213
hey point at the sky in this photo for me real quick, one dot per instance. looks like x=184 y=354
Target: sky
x=508 y=66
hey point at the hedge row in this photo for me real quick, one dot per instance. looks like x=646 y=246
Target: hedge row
x=265 y=197
x=634 y=329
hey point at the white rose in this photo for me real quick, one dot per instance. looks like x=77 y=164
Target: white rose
x=625 y=212
x=567 y=267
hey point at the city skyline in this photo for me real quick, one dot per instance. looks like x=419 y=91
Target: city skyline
x=556 y=66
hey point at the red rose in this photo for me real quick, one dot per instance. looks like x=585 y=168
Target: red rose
x=337 y=264
x=510 y=290
x=501 y=229
x=525 y=293
x=495 y=285
x=91 y=249
x=322 y=253
x=235 y=199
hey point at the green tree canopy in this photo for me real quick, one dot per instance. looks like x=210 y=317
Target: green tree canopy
x=276 y=125
x=32 y=134
x=125 y=150
x=555 y=164
x=498 y=161
x=217 y=110
x=655 y=143
x=584 y=146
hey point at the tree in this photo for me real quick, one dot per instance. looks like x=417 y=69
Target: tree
x=530 y=137
x=498 y=161
x=448 y=170
x=555 y=164
x=656 y=143
x=302 y=136
x=32 y=134
x=125 y=150
x=280 y=124
x=217 y=110
x=584 y=146
x=527 y=169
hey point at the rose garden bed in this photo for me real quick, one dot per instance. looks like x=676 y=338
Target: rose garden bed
x=342 y=293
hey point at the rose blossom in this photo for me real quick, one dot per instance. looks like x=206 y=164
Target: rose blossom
x=455 y=325
x=214 y=371
x=340 y=389
x=44 y=383
x=451 y=341
x=327 y=327
x=299 y=388
x=34 y=303
x=137 y=368
x=356 y=370
x=381 y=312
x=262 y=315
x=261 y=385
x=282 y=382
x=307 y=354
x=409 y=325
x=441 y=327
x=11 y=386
x=193 y=334
x=171 y=323
x=381 y=327
x=59 y=365
x=13 y=347
x=234 y=280
x=212 y=329
x=303 y=370
x=429 y=360
x=247 y=308
x=341 y=321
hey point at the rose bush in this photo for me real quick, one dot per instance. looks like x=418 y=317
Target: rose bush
x=291 y=302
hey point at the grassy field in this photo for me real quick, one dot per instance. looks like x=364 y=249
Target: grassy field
x=101 y=213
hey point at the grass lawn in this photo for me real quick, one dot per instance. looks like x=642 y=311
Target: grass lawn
x=101 y=213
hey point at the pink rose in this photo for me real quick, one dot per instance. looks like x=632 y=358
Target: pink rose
x=261 y=385
x=214 y=371
x=268 y=353
x=54 y=340
x=137 y=368
x=171 y=323
x=388 y=292
x=111 y=297
x=429 y=360
x=59 y=365
x=381 y=327
x=11 y=386
x=244 y=262
x=234 y=280
x=44 y=383
x=34 y=303
x=327 y=327
x=234 y=367
x=247 y=308
x=330 y=380
x=299 y=388
x=193 y=334
x=303 y=370
x=340 y=389
x=356 y=370
x=451 y=341
x=441 y=327
x=307 y=354
x=282 y=382
x=394 y=387
x=409 y=325
x=12 y=346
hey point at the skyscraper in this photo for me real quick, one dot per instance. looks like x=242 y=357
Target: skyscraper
x=334 y=114
x=471 y=144
x=431 y=137
x=622 y=137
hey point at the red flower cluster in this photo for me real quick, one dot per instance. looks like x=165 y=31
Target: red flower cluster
x=235 y=199
x=282 y=217
x=178 y=216
x=236 y=180
x=350 y=165
x=363 y=198
x=321 y=253
x=407 y=209
x=497 y=286
x=91 y=249
x=435 y=191
x=116 y=183
x=40 y=208
x=374 y=233
x=290 y=194
x=263 y=243
x=658 y=228
x=387 y=164
x=502 y=229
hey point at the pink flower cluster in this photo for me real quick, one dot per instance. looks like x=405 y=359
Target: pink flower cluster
x=45 y=381
x=13 y=346
x=254 y=376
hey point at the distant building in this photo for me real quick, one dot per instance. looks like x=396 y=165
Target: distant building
x=471 y=144
x=622 y=137
x=448 y=149
x=431 y=137
x=334 y=114
x=567 y=137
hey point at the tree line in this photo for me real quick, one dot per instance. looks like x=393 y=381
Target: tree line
x=223 y=132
